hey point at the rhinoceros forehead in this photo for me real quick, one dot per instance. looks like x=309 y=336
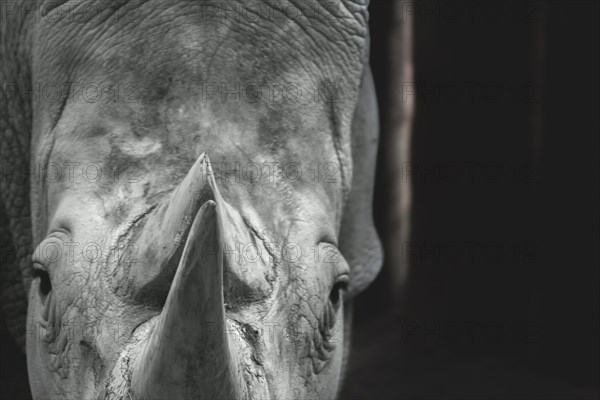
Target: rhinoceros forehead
x=221 y=48
x=275 y=167
x=157 y=87
x=263 y=36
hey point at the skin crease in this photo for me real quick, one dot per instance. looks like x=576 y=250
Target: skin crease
x=164 y=67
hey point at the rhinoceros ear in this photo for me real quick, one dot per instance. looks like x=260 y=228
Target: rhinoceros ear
x=358 y=240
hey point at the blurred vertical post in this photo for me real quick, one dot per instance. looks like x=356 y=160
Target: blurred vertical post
x=398 y=132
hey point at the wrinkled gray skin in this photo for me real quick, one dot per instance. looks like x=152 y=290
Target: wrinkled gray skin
x=164 y=305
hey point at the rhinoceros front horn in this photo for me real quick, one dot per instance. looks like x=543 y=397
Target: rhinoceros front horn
x=188 y=354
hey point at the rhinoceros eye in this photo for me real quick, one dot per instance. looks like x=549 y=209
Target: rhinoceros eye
x=44 y=259
x=335 y=302
x=339 y=286
x=45 y=285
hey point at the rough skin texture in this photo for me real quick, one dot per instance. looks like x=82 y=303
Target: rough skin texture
x=15 y=138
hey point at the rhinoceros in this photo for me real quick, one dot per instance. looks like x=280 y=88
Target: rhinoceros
x=187 y=193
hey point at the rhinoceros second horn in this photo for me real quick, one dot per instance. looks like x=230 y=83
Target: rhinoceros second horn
x=162 y=237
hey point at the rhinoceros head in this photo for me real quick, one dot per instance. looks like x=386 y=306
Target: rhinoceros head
x=203 y=218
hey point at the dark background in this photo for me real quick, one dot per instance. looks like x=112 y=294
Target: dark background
x=502 y=296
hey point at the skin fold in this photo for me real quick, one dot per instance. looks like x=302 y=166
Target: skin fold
x=201 y=221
